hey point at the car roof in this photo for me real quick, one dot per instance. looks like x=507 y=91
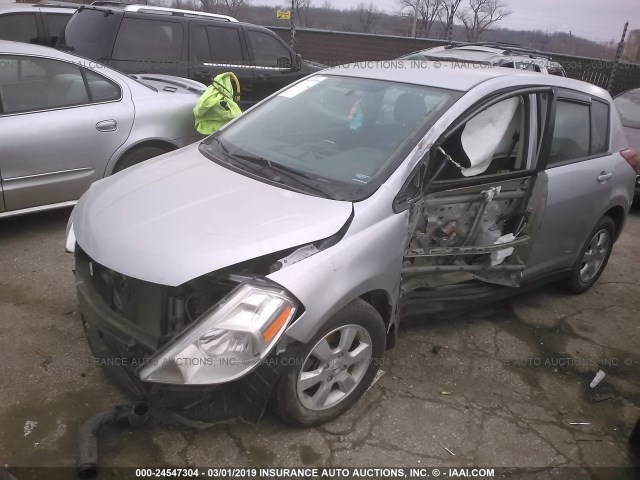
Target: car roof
x=30 y=7
x=453 y=76
x=161 y=12
x=487 y=53
x=8 y=46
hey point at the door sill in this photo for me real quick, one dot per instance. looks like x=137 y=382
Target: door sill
x=40 y=208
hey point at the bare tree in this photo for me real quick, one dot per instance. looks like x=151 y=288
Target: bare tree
x=428 y=12
x=301 y=12
x=447 y=13
x=225 y=7
x=367 y=16
x=324 y=14
x=482 y=15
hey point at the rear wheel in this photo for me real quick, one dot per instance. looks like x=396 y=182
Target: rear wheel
x=594 y=257
x=138 y=155
x=333 y=370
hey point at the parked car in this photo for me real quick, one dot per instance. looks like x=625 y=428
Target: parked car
x=40 y=23
x=273 y=260
x=66 y=122
x=628 y=106
x=492 y=53
x=197 y=45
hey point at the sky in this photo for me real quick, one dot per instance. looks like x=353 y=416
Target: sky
x=597 y=20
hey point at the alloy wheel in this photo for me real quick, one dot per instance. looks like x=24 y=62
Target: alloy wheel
x=595 y=255
x=335 y=367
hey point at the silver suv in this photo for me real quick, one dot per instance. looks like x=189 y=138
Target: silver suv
x=274 y=260
x=492 y=53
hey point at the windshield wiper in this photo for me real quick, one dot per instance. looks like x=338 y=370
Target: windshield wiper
x=291 y=173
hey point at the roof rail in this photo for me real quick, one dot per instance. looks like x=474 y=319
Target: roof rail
x=53 y=4
x=177 y=12
x=109 y=3
x=507 y=47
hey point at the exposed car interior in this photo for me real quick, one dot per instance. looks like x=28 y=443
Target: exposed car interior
x=480 y=232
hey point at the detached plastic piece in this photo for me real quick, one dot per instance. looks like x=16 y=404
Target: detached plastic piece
x=499 y=256
x=597 y=379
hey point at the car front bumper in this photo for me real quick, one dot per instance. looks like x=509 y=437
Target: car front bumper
x=120 y=347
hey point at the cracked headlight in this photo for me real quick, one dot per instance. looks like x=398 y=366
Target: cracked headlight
x=227 y=341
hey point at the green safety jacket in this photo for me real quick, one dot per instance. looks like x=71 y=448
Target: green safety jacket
x=217 y=105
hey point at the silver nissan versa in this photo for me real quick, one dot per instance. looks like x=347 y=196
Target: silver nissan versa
x=272 y=262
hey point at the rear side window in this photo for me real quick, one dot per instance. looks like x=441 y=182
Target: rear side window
x=89 y=33
x=580 y=130
x=149 y=40
x=599 y=127
x=19 y=27
x=32 y=83
x=225 y=45
x=101 y=89
x=55 y=24
x=571 y=132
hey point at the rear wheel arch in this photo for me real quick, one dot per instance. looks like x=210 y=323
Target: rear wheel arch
x=617 y=214
x=164 y=145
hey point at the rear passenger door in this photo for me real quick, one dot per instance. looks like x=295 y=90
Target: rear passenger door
x=155 y=45
x=580 y=171
x=215 y=49
x=59 y=126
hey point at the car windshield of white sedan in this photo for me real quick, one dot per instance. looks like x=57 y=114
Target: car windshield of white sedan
x=344 y=134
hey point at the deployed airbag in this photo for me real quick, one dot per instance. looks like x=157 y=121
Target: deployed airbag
x=487 y=133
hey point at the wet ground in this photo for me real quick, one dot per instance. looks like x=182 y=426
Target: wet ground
x=497 y=387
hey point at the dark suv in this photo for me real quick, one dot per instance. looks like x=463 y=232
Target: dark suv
x=142 y=39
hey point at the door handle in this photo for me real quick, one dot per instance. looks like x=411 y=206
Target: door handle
x=107 y=126
x=201 y=73
x=264 y=76
x=604 y=177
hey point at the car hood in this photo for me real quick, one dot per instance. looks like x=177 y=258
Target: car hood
x=180 y=216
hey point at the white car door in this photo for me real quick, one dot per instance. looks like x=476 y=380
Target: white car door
x=59 y=126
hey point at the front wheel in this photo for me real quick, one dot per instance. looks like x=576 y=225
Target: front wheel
x=594 y=257
x=334 y=369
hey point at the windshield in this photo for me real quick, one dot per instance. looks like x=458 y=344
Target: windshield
x=343 y=136
x=628 y=105
x=89 y=33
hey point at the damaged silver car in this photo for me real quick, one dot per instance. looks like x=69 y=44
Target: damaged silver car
x=271 y=263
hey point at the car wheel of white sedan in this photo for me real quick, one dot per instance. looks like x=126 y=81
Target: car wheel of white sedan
x=334 y=369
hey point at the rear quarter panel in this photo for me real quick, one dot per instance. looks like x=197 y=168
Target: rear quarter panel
x=160 y=117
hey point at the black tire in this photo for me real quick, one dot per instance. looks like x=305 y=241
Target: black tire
x=138 y=155
x=286 y=400
x=578 y=284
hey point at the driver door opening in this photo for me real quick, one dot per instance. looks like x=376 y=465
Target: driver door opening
x=483 y=201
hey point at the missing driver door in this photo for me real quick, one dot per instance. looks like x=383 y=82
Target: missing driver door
x=485 y=194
